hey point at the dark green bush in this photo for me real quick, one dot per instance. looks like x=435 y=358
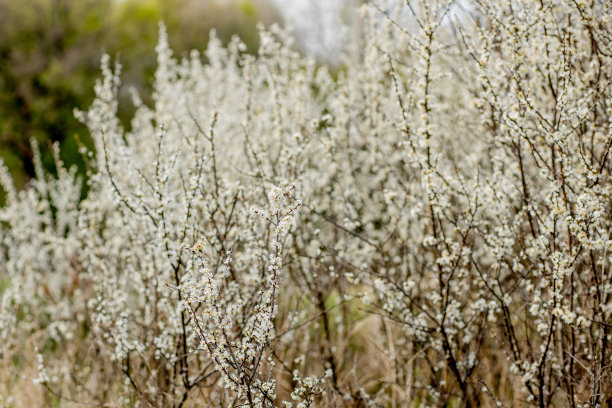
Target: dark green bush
x=50 y=52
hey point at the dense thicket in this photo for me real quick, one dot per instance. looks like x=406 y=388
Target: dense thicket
x=430 y=228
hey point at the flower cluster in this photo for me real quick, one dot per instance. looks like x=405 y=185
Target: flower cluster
x=451 y=245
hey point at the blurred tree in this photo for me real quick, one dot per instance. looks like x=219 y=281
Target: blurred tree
x=48 y=60
x=51 y=49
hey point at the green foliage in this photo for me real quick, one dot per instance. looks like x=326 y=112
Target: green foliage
x=50 y=53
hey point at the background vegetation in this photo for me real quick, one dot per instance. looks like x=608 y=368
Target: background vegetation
x=50 y=54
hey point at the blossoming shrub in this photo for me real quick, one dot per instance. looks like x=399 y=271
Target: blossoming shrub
x=429 y=228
